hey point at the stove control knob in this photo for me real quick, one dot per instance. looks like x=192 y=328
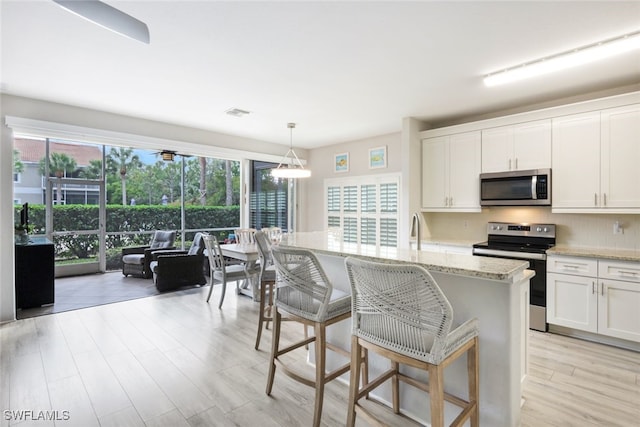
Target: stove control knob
x=546 y=229
x=496 y=227
x=539 y=229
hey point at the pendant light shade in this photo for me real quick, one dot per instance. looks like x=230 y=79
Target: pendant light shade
x=290 y=166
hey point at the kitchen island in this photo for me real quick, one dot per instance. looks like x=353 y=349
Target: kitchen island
x=495 y=291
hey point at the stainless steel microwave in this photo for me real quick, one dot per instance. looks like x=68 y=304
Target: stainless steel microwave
x=516 y=188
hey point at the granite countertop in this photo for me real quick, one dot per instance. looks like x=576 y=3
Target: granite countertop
x=464 y=265
x=450 y=242
x=603 y=253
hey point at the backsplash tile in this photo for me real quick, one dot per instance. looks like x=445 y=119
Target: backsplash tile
x=588 y=230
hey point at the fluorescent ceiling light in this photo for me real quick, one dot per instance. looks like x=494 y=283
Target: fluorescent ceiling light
x=573 y=58
x=108 y=17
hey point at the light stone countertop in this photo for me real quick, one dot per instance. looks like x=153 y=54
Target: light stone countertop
x=465 y=265
x=603 y=253
x=450 y=242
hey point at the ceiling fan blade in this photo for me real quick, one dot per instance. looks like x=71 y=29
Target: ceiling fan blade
x=108 y=17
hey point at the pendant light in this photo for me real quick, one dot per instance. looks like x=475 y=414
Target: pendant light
x=290 y=166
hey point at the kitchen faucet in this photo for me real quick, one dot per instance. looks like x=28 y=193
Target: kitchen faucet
x=415 y=229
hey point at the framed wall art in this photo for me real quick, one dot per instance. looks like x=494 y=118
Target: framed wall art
x=378 y=157
x=341 y=162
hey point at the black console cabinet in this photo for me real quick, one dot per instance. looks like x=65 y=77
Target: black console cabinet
x=34 y=273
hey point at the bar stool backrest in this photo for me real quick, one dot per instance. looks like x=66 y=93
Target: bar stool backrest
x=399 y=307
x=303 y=288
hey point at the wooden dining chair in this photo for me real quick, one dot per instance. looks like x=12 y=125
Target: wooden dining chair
x=265 y=283
x=220 y=271
x=245 y=236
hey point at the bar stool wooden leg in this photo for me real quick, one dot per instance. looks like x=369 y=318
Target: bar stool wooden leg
x=274 y=349
x=474 y=390
x=354 y=380
x=321 y=349
x=395 y=387
x=262 y=316
x=436 y=395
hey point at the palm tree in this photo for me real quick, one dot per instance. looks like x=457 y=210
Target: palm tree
x=18 y=166
x=121 y=160
x=92 y=171
x=60 y=165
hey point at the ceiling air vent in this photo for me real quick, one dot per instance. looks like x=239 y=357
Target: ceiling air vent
x=237 y=112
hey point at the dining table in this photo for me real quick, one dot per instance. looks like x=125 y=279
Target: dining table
x=248 y=254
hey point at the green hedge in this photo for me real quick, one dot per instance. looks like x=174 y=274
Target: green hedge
x=125 y=219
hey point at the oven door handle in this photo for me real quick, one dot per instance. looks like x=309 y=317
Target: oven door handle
x=509 y=254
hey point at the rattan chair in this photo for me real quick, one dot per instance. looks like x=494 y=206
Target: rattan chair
x=220 y=271
x=400 y=313
x=266 y=283
x=305 y=294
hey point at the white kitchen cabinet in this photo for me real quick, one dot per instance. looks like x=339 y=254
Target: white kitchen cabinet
x=599 y=296
x=619 y=309
x=576 y=161
x=572 y=301
x=595 y=161
x=450 y=173
x=517 y=147
x=620 y=164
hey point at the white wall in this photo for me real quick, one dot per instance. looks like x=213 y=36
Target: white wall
x=321 y=164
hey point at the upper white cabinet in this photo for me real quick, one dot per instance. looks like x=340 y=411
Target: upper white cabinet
x=517 y=147
x=596 y=158
x=450 y=173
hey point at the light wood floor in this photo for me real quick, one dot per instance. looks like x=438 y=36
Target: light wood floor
x=173 y=360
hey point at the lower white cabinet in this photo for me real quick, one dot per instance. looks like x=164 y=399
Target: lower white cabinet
x=594 y=295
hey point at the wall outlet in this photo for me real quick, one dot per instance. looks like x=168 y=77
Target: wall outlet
x=617 y=228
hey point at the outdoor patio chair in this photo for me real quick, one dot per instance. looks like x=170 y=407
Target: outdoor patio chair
x=137 y=259
x=175 y=268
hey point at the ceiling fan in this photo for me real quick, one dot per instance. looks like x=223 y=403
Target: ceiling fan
x=108 y=17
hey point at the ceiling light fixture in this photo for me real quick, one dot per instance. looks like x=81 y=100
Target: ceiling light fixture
x=290 y=166
x=108 y=17
x=583 y=55
x=167 y=155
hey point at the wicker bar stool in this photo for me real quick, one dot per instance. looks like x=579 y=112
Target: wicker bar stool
x=305 y=294
x=266 y=282
x=400 y=313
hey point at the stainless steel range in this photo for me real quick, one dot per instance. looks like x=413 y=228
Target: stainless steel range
x=527 y=242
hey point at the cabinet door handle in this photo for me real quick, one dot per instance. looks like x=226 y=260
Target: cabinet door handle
x=604 y=198
x=593 y=287
x=509 y=164
x=516 y=168
x=602 y=288
x=595 y=199
x=451 y=201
